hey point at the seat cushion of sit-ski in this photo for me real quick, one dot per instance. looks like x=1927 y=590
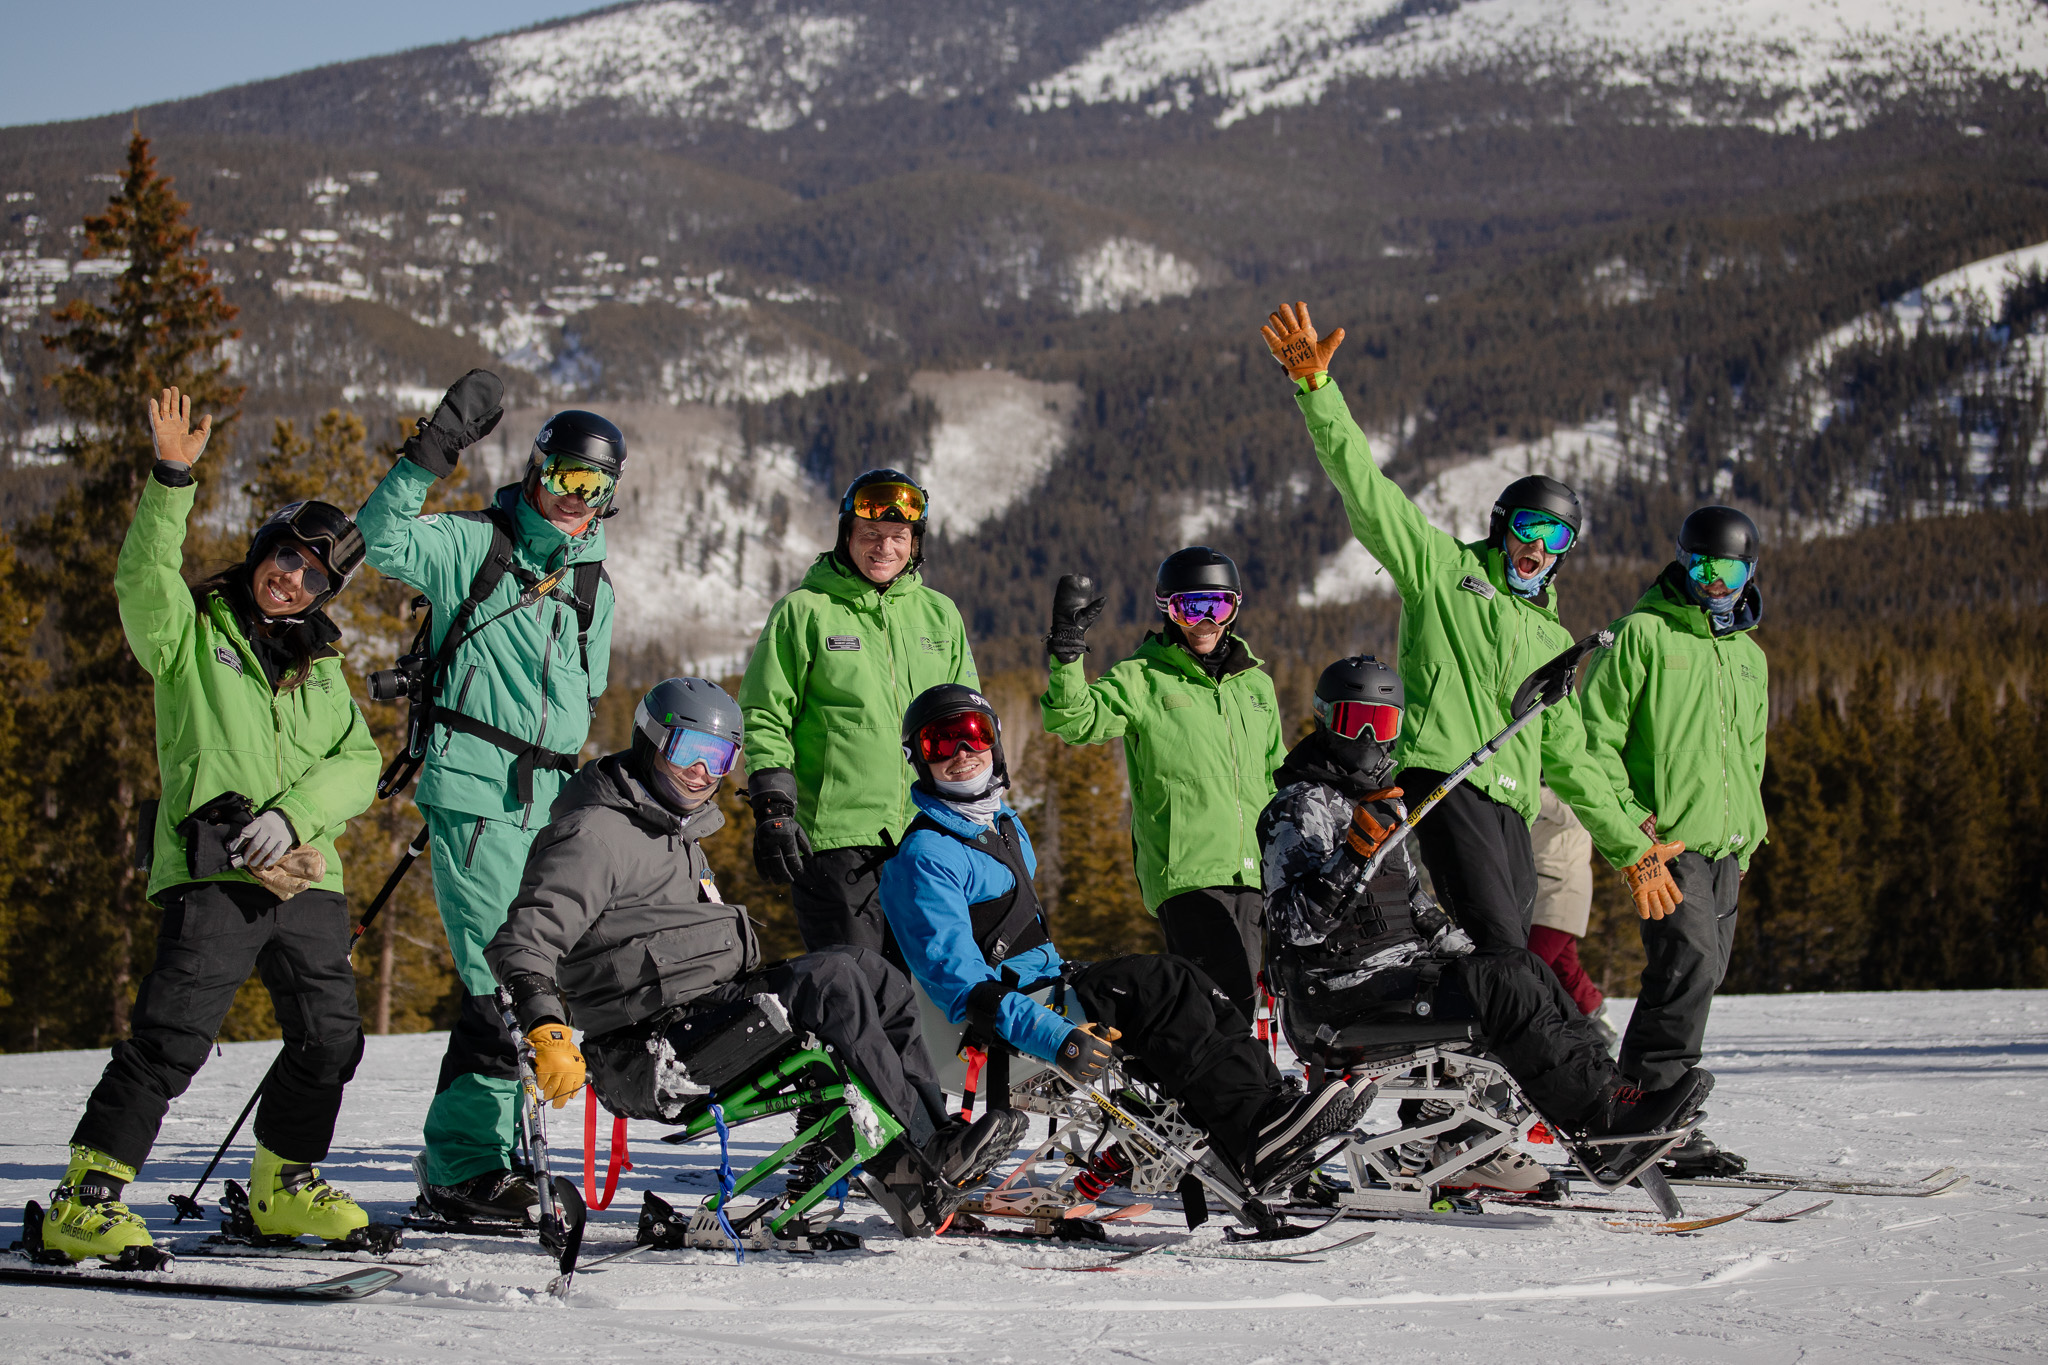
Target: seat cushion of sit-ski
x=669 y=1074
x=1361 y=1044
x=942 y=1041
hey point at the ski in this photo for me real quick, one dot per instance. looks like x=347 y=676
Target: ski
x=1481 y=1219
x=1682 y=1225
x=343 y=1288
x=1301 y=1256
x=1936 y=1182
x=1794 y=1214
x=226 y=1249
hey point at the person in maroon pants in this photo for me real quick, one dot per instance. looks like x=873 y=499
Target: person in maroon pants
x=1564 y=906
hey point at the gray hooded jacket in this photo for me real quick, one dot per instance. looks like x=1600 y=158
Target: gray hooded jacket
x=618 y=908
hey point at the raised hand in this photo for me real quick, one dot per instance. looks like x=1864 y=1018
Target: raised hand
x=1291 y=337
x=1075 y=605
x=170 y=426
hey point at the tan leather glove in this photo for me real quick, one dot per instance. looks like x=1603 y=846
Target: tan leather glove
x=1649 y=881
x=292 y=873
x=1291 y=337
x=557 y=1066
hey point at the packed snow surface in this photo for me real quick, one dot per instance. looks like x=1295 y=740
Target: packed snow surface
x=1257 y=55
x=1885 y=1086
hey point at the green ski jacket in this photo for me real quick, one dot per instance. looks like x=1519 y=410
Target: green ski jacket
x=1467 y=642
x=1200 y=755
x=1677 y=717
x=837 y=665
x=523 y=673
x=219 y=725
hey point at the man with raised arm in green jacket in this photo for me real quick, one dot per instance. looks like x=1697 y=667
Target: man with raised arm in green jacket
x=840 y=658
x=1676 y=714
x=1476 y=619
x=515 y=679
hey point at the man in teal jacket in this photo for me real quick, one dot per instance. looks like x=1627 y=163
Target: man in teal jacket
x=515 y=680
x=840 y=658
x=1476 y=620
x=1201 y=732
x=1676 y=714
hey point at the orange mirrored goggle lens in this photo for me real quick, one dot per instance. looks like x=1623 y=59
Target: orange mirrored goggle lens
x=889 y=502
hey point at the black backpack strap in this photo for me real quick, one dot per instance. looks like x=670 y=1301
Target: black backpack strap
x=589 y=574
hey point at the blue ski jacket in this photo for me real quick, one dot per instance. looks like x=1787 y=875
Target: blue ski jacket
x=926 y=889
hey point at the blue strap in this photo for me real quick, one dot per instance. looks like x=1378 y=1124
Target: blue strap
x=725 y=1181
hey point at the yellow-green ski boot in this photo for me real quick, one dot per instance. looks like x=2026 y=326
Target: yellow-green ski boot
x=86 y=1217
x=289 y=1199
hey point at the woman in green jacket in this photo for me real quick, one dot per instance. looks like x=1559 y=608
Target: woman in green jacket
x=1201 y=733
x=263 y=758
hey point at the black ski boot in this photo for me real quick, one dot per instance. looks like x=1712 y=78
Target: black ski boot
x=1700 y=1156
x=496 y=1198
x=1625 y=1107
x=964 y=1153
x=1288 y=1130
x=921 y=1189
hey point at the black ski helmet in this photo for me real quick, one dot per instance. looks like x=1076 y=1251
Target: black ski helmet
x=1194 y=569
x=321 y=526
x=1360 y=678
x=1721 y=532
x=583 y=436
x=917 y=527
x=937 y=703
x=679 y=704
x=1539 y=493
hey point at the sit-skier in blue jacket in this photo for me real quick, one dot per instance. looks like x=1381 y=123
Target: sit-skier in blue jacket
x=976 y=939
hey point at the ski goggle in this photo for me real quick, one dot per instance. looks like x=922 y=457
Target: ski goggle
x=1532 y=527
x=568 y=477
x=888 y=502
x=1188 y=608
x=1350 y=719
x=686 y=747
x=291 y=559
x=946 y=736
x=1706 y=570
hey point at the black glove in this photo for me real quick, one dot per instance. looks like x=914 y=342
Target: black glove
x=780 y=844
x=1075 y=605
x=468 y=411
x=1086 y=1053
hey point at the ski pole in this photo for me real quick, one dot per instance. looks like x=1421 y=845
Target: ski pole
x=1540 y=691
x=412 y=851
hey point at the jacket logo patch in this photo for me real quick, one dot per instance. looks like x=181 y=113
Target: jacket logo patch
x=842 y=642
x=1475 y=584
x=1507 y=780
x=1173 y=701
x=228 y=657
x=1748 y=673
x=932 y=646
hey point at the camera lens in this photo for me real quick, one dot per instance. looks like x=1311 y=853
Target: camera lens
x=387 y=684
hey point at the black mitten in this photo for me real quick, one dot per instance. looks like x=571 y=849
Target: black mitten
x=468 y=412
x=1075 y=606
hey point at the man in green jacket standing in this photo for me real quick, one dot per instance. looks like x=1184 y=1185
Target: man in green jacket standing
x=1676 y=714
x=515 y=678
x=1201 y=733
x=1476 y=619
x=842 y=655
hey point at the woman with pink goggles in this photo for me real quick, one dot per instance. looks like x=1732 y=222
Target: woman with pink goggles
x=1201 y=733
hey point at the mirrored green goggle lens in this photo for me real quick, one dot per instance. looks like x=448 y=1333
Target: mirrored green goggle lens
x=1706 y=570
x=573 y=479
x=1540 y=528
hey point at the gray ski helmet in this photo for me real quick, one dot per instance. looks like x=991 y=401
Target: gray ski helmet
x=685 y=720
x=1540 y=493
x=1194 y=569
x=1721 y=532
x=936 y=704
x=323 y=527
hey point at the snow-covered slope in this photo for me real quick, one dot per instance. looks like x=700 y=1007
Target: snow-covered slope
x=1887 y=1086
x=996 y=435
x=1812 y=61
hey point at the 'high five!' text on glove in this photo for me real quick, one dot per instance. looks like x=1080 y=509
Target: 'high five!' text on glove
x=1292 y=339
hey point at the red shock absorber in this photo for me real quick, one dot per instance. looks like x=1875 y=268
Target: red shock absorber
x=1108 y=1169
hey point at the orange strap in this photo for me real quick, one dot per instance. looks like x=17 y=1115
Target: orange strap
x=976 y=1059
x=619 y=1160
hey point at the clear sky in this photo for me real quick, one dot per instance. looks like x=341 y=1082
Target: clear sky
x=64 y=59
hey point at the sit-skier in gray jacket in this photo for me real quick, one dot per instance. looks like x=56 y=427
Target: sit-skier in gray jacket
x=618 y=929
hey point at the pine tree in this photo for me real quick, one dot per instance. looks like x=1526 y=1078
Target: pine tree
x=1099 y=913
x=21 y=759
x=164 y=323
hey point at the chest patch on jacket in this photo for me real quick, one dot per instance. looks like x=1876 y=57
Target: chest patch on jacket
x=842 y=642
x=932 y=646
x=1173 y=701
x=228 y=657
x=1473 y=583
x=1748 y=674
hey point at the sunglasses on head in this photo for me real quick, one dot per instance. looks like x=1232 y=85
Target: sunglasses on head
x=1350 y=719
x=1189 y=608
x=1540 y=528
x=1706 y=570
x=889 y=502
x=291 y=559
x=686 y=747
x=948 y=735
x=568 y=477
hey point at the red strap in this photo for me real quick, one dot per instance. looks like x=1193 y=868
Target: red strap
x=976 y=1060
x=620 y=1161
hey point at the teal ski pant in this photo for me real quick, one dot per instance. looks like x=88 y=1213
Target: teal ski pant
x=472 y=1125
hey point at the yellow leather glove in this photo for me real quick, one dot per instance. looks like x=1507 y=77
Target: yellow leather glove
x=1649 y=881
x=557 y=1066
x=1292 y=339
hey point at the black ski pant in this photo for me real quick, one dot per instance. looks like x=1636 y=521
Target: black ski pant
x=837 y=906
x=1189 y=1036
x=1221 y=929
x=866 y=1011
x=1686 y=956
x=1533 y=1026
x=1479 y=859
x=210 y=937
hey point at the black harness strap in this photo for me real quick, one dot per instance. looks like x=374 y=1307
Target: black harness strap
x=1005 y=925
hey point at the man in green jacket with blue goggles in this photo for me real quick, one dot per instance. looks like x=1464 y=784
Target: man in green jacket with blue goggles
x=1476 y=620
x=841 y=657
x=1676 y=714
x=519 y=652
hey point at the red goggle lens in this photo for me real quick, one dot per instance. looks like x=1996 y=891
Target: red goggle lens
x=1350 y=719
x=945 y=737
